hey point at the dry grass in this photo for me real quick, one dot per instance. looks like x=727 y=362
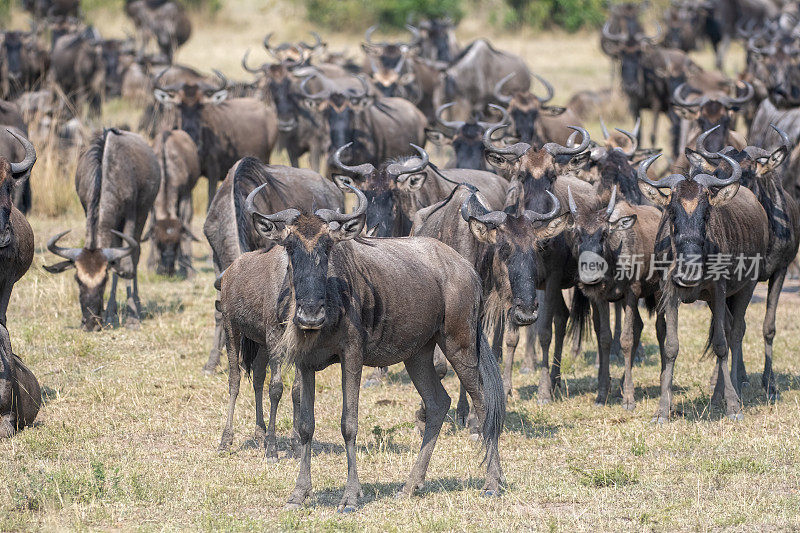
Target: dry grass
x=128 y=435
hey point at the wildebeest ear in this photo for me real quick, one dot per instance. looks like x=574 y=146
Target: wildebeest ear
x=654 y=194
x=724 y=195
x=555 y=227
x=412 y=182
x=347 y=230
x=272 y=231
x=554 y=110
x=624 y=223
x=218 y=97
x=482 y=231
x=686 y=113
x=579 y=160
x=59 y=267
x=496 y=160
x=776 y=159
x=437 y=137
x=164 y=97
x=344 y=182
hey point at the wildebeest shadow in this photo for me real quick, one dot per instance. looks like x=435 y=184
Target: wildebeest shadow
x=154 y=308
x=520 y=422
x=379 y=491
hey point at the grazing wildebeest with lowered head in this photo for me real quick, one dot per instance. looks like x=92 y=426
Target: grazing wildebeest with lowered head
x=20 y=395
x=166 y=21
x=117 y=180
x=321 y=284
x=16 y=235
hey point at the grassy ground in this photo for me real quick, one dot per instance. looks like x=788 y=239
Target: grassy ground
x=127 y=437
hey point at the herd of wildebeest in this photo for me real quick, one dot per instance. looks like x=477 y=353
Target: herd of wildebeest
x=434 y=262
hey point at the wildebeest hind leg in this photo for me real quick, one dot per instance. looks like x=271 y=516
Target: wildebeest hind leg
x=511 y=339
x=600 y=317
x=275 y=394
x=351 y=387
x=259 y=370
x=437 y=404
x=560 y=331
x=774 y=292
x=234 y=376
x=133 y=308
x=111 y=317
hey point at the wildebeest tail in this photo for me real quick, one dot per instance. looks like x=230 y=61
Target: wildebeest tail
x=248 y=354
x=249 y=174
x=651 y=304
x=494 y=396
x=579 y=314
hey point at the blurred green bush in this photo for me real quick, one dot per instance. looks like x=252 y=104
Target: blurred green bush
x=571 y=15
x=344 y=14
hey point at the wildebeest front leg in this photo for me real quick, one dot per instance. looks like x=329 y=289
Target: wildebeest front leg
x=351 y=386
x=259 y=369
x=234 y=377
x=275 y=394
x=631 y=334
x=669 y=355
x=304 y=424
x=216 y=349
x=738 y=306
x=133 y=307
x=510 y=339
x=616 y=343
x=774 y=292
x=111 y=317
x=545 y=331
x=560 y=319
x=185 y=213
x=437 y=403
x=602 y=328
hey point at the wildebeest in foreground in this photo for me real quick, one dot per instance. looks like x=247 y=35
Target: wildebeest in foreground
x=230 y=231
x=707 y=217
x=321 y=285
x=11 y=149
x=170 y=227
x=117 y=180
x=20 y=395
x=16 y=235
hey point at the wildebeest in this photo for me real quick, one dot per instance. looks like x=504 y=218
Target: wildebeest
x=688 y=23
x=321 y=285
x=534 y=175
x=399 y=187
x=16 y=235
x=23 y=63
x=708 y=224
x=52 y=8
x=78 y=67
x=11 y=149
x=224 y=130
x=170 y=229
x=475 y=72
x=436 y=39
x=117 y=180
x=621 y=237
x=228 y=229
x=534 y=122
x=377 y=128
x=20 y=395
x=465 y=137
x=164 y=20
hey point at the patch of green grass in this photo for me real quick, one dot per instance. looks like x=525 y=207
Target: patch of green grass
x=601 y=477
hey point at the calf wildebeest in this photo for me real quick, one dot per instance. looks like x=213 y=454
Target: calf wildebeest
x=761 y=174
x=12 y=150
x=534 y=122
x=20 y=395
x=399 y=187
x=117 y=180
x=436 y=39
x=16 y=235
x=224 y=130
x=376 y=127
x=164 y=20
x=474 y=73
x=170 y=229
x=78 y=67
x=534 y=173
x=466 y=137
x=706 y=218
x=620 y=236
x=229 y=230
x=322 y=284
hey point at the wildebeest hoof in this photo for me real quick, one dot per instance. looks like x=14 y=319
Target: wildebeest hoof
x=292 y=506
x=544 y=401
x=474 y=437
x=629 y=405
x=6 y=429
x=208 y=371
x=660 y=419
x=346 y=509
x=773 y=396
x=490 y=493
x=132 y=324
x=525 y=370
x=225 y=442
x=736 y=417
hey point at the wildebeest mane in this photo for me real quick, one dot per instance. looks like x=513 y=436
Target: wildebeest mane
x=252 y=173
x=618 y=169
x=94 y=156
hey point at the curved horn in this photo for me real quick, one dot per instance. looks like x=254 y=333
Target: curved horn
x=785 y=138
x=557 y=149
x=368 y=34
x=67 y=253
x=19 y=170
x=667 y=181
x=618 y=37
x=157 y=80
x=365 y=170
x=399 y=67
x=713 y=181
x=115 y=254
x=732 y=101
x=503 y=120
x=269 y=49
x=700 y=143
x=573 y=207
x=634 y=142
x=643 y=37
x=498 y=87
x=604 y=129
x=636 y=128
x=285 y=216
x=316 y=96
x=396 y=169
x=364 y=88
x=612 y=203
x=244 y=64
x=533 y=216
x=473 y=208
x=454 y=124
x=314 y=46
x=547 y=87
x=679 y=100
x=223 y=80
x=331 y=215
x=416 y=37
x=515 y=149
